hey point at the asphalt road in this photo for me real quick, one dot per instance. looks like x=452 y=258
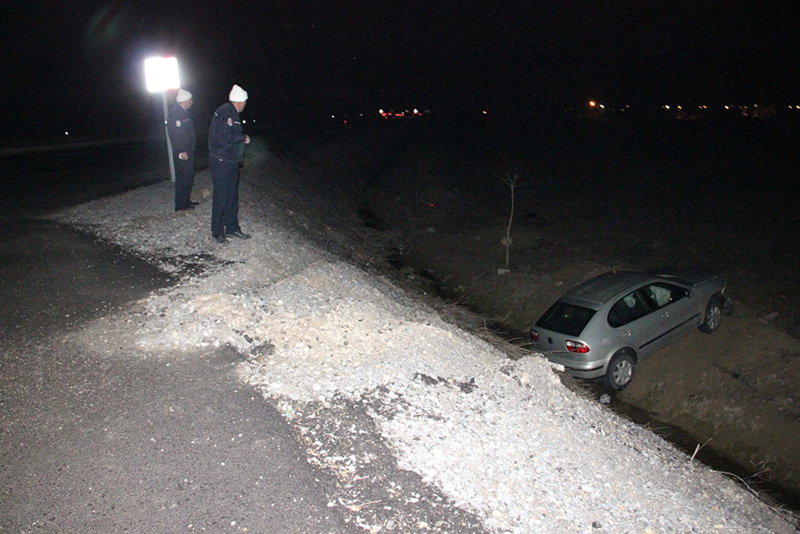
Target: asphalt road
x=122 y=443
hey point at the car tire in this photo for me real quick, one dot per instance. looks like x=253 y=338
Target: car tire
x=713 y=316
x=620 y=371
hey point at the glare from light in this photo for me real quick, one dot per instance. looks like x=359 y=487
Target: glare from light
x=161 y=74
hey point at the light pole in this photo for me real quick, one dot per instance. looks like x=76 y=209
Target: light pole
x=161 y=74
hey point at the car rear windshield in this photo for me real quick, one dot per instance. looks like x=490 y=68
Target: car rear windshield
x=566 y=319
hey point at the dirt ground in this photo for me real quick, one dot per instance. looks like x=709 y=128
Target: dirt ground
x=733 y=395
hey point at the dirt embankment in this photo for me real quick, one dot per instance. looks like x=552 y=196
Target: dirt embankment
x=734 y=393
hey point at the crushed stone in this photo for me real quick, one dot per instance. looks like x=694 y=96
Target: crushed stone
x=427 y=427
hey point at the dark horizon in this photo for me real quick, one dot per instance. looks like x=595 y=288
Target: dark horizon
x=80 y=67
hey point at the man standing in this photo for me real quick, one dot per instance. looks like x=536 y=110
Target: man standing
x=183 y=139
x=226 y=142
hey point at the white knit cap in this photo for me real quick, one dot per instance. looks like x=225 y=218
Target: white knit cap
x=184 y=95
x=237 y=94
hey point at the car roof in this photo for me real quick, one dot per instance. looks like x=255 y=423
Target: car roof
x=593 y=293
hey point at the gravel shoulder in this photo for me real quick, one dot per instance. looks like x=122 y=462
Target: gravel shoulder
x=425 y=426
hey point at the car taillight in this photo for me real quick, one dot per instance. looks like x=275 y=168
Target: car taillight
x=534 y=335
x=577 y=346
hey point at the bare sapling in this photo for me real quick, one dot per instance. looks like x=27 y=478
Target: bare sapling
x=511 y=175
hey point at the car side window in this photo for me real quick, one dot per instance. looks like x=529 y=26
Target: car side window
x=627 y=309
x=662 y=294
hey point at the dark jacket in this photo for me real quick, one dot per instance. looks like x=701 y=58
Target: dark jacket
x=225 y=136
x=181 y=130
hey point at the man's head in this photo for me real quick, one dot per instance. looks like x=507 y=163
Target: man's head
x=238 y=98
x=184 y=98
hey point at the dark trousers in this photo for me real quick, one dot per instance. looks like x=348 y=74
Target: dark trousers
x=184 y=181
x=225 y=200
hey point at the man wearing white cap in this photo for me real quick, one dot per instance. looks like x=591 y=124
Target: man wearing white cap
x=183 y=140
x=226 y=142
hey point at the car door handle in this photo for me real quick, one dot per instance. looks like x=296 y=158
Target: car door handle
x=665 y=314
x=627 y=334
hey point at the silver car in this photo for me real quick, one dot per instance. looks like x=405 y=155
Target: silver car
x=605 y=326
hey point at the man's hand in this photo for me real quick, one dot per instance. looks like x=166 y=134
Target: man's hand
x=183 y=155
x=246 y=139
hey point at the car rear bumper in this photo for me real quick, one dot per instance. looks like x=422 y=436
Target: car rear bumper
x=578 y=369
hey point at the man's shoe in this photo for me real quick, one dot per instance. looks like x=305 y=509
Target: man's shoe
x=220 y=239
x=239 y=234
x=193 y=203
x=189 y=207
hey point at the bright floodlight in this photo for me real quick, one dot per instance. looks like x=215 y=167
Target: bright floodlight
x=161 y=73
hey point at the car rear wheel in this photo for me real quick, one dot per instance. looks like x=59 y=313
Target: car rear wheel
x=713 y=316
x=620 y=371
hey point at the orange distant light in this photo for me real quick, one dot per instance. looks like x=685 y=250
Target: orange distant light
x=592 y=103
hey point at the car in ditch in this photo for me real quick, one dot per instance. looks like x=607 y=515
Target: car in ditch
x=605 y=326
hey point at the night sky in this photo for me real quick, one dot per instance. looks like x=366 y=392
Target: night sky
x=77 y=65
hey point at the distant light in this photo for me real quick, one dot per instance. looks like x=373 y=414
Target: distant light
x=592 y=103
x=66 y=133
x=161 y=73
